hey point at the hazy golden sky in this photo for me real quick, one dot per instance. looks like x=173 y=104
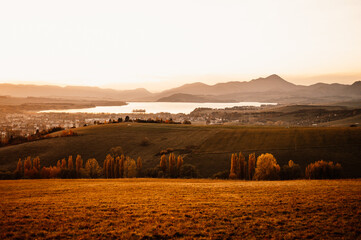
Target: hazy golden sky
x=161 y=44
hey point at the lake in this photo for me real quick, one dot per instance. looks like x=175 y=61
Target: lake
x=156 y=107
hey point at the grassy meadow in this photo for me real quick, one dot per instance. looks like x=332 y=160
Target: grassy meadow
x=184 y=209
x=207 y=147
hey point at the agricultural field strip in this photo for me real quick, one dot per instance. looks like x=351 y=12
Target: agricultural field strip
x=168 y=208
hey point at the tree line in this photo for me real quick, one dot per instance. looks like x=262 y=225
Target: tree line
x=118 y=165
x=115 y=165
x=266 y=168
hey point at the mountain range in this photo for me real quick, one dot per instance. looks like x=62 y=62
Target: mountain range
x=269 y=89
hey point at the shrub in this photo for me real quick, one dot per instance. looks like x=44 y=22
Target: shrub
x=145 y=142
x=267 y=168
x=290 y=171
x=188 y=171
x=233 y=176
x=323 y=170
x=116 y=151
x=6 y=175
x=66 y=173
x=221 y=175
x=92 y=168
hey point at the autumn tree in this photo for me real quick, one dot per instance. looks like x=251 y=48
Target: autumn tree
x=78 y=165
x=232 y=172
x=116 y=166
x=36 y=163
x=116 y=151
x=92 y=168
x=179 y=164
x=27 y=164
x=111 y=167
x=19 y=169
x=105 y=168
x=130 y=168
x=28 y=168
x=121 y=166
x=251 y=165
x=267 y=168
x=139 y=167
x=172 y=165
x=70 y=163
x=63 y=164
x=45 y=172
x=108 y=169
x=163 y=163
x=245 y=170
x=323 y=170
x=241 y=166
x=54 y=171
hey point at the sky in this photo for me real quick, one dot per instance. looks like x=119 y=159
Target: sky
x=163 y=44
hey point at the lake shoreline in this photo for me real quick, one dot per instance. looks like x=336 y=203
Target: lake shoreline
x=156 y=107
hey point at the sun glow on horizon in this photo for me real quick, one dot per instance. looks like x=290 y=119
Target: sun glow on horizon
x=162 y=44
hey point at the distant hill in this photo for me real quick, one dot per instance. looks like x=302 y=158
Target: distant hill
x=270 y=83
x=73 y=92
x=269 y=89
x=182 y=97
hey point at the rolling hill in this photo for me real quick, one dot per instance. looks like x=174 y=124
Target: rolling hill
x=70 y=92
x=207 y=147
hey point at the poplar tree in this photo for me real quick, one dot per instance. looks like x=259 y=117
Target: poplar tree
x=70 y=163
x=131 y=168
x=63 y=163
x=109 y=160
x=27 y=164
x=241 y=163
x=237 y=167
x=232 y=174
x=251 y=165
x=126 y=166
x=179 y=164
x=36 y=163
x=105 y=171
x=121 y=166
x=139 y=166
x=163 y=163
x=112 y=167
x=19 y=169
x=116 y=167
x=245 y=171
x=172 y=165
x=78 y=164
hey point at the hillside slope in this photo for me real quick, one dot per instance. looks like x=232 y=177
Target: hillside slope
x=207 y=147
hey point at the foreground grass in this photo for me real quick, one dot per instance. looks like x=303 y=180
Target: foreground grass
x=154 y=208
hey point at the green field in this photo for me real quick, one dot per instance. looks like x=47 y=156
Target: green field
x=182 y=209
x=207 y=147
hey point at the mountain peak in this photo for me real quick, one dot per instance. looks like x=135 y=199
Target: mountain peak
x=357 y=83
x=275 y=77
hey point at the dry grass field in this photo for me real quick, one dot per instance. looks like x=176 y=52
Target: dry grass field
x=185 y=209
